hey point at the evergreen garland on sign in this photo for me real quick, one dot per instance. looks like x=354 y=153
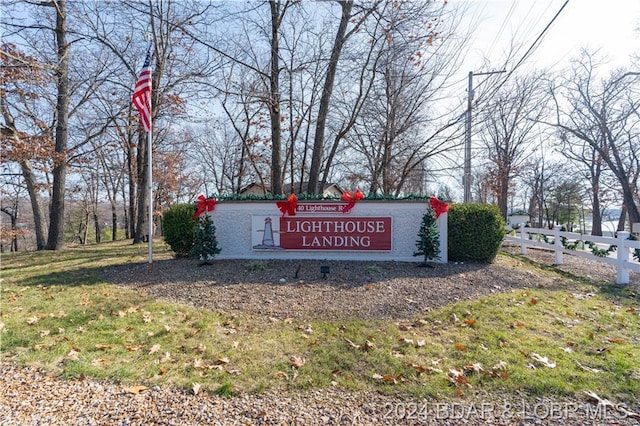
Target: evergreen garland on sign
x=205 y=244
x=428 y=242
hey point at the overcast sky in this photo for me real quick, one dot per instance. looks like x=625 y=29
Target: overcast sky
x=612 y=25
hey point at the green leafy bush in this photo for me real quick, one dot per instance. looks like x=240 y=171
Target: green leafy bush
x=179 y=228
x=475 y=232
x=205 y=245
x=428 y=242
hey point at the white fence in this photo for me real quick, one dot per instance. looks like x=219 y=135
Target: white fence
x=620 y=258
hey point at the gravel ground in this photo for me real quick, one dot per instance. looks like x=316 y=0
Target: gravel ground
x=297 y=289
x=28 y=396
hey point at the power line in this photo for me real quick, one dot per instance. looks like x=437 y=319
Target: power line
x=467 y=151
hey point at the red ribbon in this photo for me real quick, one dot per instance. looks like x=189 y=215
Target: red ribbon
x=204 y=205
x=358 y=195
x=288 y=207
x=438 y=206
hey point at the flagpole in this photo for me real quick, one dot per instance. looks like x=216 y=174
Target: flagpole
x=150 y=191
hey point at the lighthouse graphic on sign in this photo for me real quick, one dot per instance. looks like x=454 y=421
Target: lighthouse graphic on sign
x=268 y=240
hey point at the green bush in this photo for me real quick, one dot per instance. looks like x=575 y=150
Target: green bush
x=475 y=232
x=179 y=228
x=205 y=244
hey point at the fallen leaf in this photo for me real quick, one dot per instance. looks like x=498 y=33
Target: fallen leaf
x=155 y=348
x=457 y=377
x=44 y=333
x=500 y=366
x=353 y=345
x=73 y=355
x=533 y=301
x=470 y=322
x=589 y=369
x=135 y=390
x=543 y=360
x=32 y=320
x=296 y=361
x=616 y=340
x=222 y=361
x=368 y=346
x=476 y=367
x=196 y=388
x=460 y=347
x=102 y=347
x=98 y=362
x=281 y=375
x=390 y=379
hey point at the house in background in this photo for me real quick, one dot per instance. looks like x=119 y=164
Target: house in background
x=518 y=218
x=329 y=190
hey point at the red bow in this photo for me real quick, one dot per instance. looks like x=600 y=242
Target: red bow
x=288 y=207
x=438 y=206
x=358 y=195
x=204 y=205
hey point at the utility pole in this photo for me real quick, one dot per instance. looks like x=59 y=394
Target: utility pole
x=466 y=180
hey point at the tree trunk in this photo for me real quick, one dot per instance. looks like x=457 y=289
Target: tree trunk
x=55 y=239
x=114 y=223
x=323 y=110
x=130 y=214
x=140 y=217
x=503 y=194
x=36 y=204
x=622 y=218
x=96 y=226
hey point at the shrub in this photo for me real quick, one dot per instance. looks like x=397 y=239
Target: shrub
x=475 y=232
x=428 y=242
x=179 y=228
x=205 y=244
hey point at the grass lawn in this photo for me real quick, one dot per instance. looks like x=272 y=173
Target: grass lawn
x=56 y=312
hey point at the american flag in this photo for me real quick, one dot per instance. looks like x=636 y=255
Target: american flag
x=142 y=93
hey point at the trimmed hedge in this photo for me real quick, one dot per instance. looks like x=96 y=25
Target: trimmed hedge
x=475 y=232
x=179 y=228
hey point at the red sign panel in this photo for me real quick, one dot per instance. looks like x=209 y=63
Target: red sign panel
x=335 y=233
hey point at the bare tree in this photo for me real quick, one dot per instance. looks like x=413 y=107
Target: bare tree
x=604 y=115
x=396 y=129
x=509 y=127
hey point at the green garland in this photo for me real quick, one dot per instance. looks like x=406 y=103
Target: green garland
x=313 y=197
x=581 y=244
x=636 y=252
x=595 y=250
